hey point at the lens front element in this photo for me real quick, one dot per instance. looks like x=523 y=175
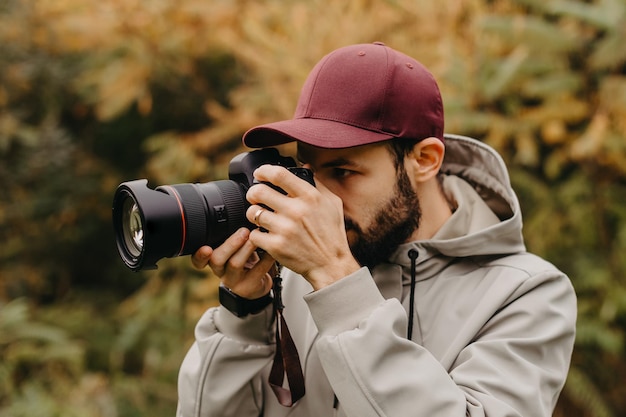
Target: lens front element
x=132 y=227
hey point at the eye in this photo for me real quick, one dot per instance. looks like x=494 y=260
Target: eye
x=341 y=173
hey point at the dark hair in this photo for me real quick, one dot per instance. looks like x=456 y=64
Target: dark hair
x=400 y=148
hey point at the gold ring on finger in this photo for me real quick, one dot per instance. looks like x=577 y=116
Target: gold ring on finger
x=257 y=215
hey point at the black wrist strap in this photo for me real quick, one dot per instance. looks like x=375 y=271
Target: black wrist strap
x=240 y=306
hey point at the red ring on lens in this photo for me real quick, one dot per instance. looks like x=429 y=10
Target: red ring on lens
x=174 y=192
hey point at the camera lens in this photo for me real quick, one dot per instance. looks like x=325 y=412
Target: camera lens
x=132 y=227
x=174 y=220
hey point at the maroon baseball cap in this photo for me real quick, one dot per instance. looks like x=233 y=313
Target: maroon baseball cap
x=357 y=95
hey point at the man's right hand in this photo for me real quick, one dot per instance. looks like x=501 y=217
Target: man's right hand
x=238 y=265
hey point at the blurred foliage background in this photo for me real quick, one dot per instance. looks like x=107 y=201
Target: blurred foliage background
x=96 y=92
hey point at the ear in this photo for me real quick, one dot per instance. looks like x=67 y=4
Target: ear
x=426 y=159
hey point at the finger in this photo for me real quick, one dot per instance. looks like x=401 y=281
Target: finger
x=241 y=258
x=270 y=242
x=251 y=288
x=259 y=216
x=255 y=282
x=265 y=263
x=252 y=260
x=201 y=257
x=260 y=269
x=281 y=177
x=226 y=250
x=262 y=194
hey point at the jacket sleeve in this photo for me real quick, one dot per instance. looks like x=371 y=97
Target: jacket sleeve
x=512 y=369
x=220 y=376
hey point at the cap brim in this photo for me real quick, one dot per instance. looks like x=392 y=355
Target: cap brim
x=316 y=132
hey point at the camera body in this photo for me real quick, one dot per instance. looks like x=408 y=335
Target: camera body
x=176 y=220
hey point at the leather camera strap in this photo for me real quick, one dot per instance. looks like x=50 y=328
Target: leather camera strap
x=286 y=358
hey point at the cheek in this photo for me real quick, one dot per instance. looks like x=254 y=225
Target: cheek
x=363 y=196
x=363 y=207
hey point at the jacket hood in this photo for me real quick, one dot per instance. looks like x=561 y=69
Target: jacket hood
x=485 y=175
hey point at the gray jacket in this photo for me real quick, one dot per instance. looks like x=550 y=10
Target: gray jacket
x=493 y=326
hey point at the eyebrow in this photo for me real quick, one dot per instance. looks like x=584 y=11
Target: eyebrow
x=333 y=163
x=338 y=162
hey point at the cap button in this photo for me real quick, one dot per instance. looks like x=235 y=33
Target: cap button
x=379 y=43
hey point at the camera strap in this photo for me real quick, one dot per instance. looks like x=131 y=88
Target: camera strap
x=286 y=359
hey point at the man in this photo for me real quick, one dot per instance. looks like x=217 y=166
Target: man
x=407 y=287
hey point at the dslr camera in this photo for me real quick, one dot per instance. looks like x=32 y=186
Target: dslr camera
x=176 y=220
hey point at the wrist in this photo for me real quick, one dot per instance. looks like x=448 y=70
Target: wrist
x=329 y=309
x=333 y=272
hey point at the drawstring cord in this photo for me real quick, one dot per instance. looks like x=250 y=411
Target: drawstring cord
x=413 y=254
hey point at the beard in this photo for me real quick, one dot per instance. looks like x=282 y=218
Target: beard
x=392 y=225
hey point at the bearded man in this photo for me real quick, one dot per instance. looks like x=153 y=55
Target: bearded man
x=407 y=287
